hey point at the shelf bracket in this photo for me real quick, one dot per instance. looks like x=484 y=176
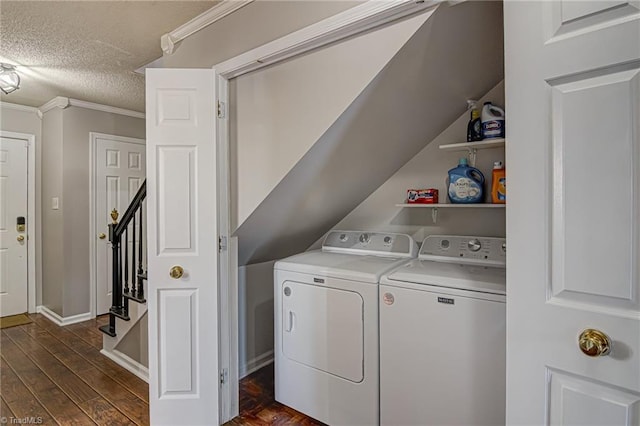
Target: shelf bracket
x=473 y=154
x=434 y=215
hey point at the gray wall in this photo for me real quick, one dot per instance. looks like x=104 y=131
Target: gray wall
x=53 y=271
x=255 y=316
x=15 y=120
x=135 y=344
x=250 y=27
x=66 y=175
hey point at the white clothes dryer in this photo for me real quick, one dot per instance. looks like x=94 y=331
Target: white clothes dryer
x=443 y=335
x=326 y=325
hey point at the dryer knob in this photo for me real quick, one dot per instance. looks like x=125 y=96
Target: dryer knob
x=474 y=245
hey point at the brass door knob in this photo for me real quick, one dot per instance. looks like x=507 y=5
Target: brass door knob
x=594 y=343
x=176 y=272
x=102 y=235
x=20 y=238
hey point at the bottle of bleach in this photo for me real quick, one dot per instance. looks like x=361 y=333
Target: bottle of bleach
x=466 y=184
x=492 y=119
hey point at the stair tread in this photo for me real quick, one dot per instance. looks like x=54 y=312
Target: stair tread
x=106 y=330
x=135 y=296
x=120 y=313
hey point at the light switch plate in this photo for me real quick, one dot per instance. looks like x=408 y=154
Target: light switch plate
x=55 y=203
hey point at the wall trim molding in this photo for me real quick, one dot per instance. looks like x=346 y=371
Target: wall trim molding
x=62 y=102
x=217 y=12
x=256 y=363
x=62 y=321
x=356 y=20
x=128 y=363
x=19 y=107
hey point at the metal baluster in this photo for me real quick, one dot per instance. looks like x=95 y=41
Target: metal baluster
x=134 y=278
x=126 y=260
x=140 y=271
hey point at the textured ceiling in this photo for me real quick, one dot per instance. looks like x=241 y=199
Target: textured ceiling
x=86 y=50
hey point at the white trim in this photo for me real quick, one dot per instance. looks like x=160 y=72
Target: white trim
x=93 y=252
x=128 y=363
x=62 y=102
x=57 y=102
x=19 y=107
x=256 y=364
x=33 y=238
x=62 y=321
x=356 y=20
x=217 y=12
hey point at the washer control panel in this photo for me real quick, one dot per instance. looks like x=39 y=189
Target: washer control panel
x=464 y=249
x=378 y=243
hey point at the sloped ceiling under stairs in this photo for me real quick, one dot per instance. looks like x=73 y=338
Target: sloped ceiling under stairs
x=457 y=54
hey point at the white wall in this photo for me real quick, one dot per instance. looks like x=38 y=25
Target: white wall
x=428 y=169
x=279 y=112
x=16 y=118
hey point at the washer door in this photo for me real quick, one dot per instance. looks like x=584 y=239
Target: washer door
x=323 y=328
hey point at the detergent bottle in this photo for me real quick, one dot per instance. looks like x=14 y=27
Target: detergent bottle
x=474 y=128
x=498 y=184
x=492 y=121
x=466 y=184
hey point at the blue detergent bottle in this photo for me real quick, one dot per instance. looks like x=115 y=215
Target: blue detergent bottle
x=466 y=184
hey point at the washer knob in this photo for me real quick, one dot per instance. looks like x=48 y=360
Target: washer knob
x=387 y=240
x=474 y=245
x=364 y=238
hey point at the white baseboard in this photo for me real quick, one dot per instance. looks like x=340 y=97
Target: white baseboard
x=127 y=363
x=256 y=364
x=62 y=321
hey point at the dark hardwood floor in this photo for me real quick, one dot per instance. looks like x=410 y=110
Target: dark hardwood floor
x=56 y=375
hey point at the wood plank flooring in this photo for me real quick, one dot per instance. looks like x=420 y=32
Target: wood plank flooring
x=54 y=375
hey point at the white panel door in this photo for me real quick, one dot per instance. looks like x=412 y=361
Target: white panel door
x=182 y=237
x=13 y=243
x=573 y=217
x=120 y=167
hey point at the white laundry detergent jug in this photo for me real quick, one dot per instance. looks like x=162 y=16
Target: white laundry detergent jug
x=492 y=119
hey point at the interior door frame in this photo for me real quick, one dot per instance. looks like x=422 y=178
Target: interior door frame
x=352 y=22
x=93 y=248
x=33 y=238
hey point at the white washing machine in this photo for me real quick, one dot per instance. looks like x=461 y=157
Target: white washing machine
x=443 y=335
x=326 y=325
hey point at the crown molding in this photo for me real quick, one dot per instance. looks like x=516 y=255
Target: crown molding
x=18 y=107
x=62 y=102
x=217 y=12
x=358 y=19
x=57 y=102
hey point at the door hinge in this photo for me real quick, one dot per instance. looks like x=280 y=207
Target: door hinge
x=222 y=109
x=224 y=376
x=222 y=244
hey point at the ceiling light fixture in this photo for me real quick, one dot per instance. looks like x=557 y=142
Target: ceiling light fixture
x=9 y=78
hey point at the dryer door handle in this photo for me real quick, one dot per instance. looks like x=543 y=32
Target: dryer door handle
x=290 y=320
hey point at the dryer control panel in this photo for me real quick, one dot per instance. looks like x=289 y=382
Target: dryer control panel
x=488 y=251
x=375 y=243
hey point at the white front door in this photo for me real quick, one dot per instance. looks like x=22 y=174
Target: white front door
x=573 y=215
x=13 y=241
x=182 y=247
x=120 y=169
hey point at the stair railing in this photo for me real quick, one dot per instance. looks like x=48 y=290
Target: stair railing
x=127 y=278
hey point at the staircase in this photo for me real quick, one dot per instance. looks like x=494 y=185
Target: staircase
x=128 y=270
